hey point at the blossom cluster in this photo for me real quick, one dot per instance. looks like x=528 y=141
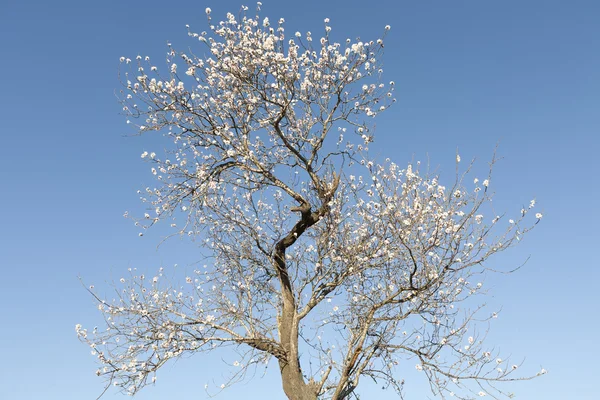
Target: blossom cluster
x=259 y=100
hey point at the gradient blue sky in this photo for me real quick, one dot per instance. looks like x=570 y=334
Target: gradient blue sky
x=469 y=74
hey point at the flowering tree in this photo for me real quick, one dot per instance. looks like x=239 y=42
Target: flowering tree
x=336 y=266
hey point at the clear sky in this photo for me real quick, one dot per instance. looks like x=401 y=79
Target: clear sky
x=469 y=74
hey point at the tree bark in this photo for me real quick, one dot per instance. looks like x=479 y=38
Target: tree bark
x=294 y=384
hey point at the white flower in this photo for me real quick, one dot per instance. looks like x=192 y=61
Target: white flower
x=486 y=183
x=208 y=10
x=481 y=394
x=419 y=367
x=387 y=27
x=457 y=158
x=538 y=215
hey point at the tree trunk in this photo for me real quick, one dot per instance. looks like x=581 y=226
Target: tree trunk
x=294 y=385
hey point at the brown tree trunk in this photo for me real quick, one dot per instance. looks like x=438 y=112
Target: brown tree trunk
x=294 y=385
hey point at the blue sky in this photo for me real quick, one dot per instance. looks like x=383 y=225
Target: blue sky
x=469 y=75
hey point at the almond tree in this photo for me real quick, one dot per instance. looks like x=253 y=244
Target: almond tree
x=316 y=255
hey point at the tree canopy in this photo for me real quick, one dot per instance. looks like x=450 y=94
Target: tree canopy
x=316 y=253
